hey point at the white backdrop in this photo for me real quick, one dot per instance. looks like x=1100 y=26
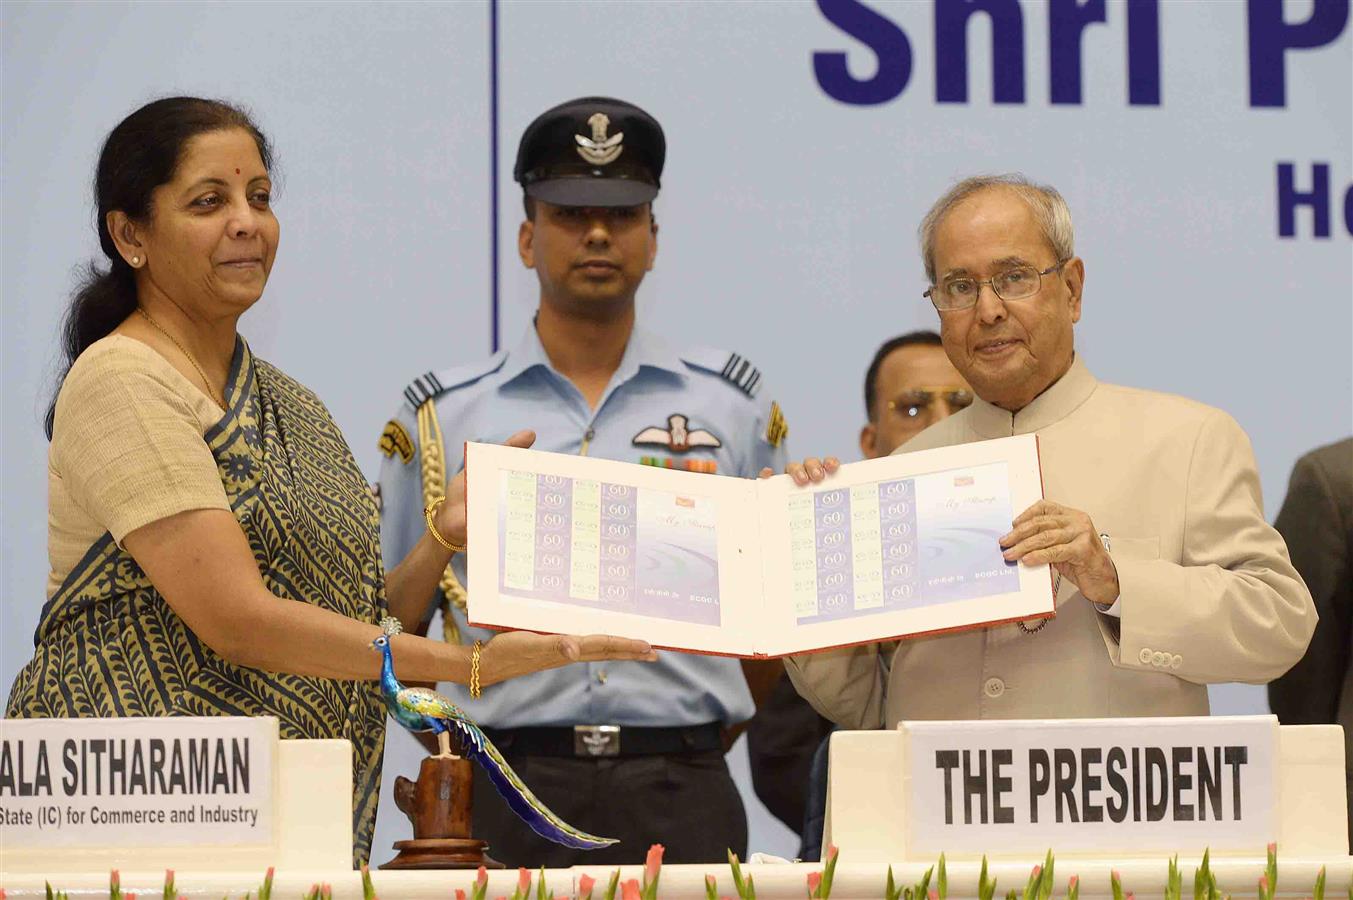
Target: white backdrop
x=788 y=216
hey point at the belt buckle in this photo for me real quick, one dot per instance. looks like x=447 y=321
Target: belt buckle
x=596 y=740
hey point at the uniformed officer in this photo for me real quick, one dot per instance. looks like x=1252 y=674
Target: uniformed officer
x=623 y=750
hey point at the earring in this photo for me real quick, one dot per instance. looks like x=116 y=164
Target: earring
x=136 y=260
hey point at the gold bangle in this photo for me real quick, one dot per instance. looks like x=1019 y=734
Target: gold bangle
x=428 y=512
x=475 y=689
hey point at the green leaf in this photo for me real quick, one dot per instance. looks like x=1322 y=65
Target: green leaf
x=1045 y=891
x=890 y=892
x=751 y=888
x=1116 y=886
x=711 y=888
x=1034 y=884
x=612 y=885
x=923 y=886
x=828 y=873
x=942 y=884
x=368 y=889
x=541 y=893
x=738 y=884
x=1319 y=892
x=986 y=887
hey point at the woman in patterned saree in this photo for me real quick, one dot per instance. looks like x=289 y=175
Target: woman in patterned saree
x=194 y=488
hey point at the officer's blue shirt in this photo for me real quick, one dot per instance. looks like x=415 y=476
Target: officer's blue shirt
x=714 y=391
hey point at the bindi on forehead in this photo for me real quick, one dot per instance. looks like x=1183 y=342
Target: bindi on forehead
x=237 y=171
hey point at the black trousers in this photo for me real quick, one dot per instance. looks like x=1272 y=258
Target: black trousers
x=685 y=801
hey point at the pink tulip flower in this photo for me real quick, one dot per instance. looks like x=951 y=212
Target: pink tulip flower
x=653 y=863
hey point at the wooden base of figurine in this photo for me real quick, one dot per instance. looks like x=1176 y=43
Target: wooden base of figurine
x=442 y=853
x=438 y=804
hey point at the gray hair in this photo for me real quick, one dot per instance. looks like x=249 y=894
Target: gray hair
x=1049 y=209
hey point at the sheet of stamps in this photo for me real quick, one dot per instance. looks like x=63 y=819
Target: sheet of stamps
x=900 y=544
x=613 y=546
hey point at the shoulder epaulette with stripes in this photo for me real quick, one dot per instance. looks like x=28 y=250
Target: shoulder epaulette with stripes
x=731 y=367
x=422 y=389
x=431 y=385
x=741 y=374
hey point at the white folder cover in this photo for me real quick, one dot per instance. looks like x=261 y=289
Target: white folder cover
x=884 y=549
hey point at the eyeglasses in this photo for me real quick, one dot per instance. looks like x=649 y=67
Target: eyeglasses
x=918 y=402
x=1018 y=283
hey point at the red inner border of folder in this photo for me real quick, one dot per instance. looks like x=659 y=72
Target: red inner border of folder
x=1052 y=614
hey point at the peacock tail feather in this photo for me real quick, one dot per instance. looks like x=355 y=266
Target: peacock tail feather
x=519 y=798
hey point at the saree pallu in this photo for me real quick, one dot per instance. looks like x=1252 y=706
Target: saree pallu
x=107 y=643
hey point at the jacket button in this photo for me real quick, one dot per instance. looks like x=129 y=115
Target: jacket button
x=1159 y=659
x=994 y=687
x=1176 y=661
x=1145 y=656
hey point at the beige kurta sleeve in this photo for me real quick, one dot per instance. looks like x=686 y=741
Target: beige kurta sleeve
x=1233 y=608
x=846 y=685
x=127 y=441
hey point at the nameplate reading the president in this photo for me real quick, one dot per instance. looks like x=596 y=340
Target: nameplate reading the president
x=137 y=782
x=1129 y=784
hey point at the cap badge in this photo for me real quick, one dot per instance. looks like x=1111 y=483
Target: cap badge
x=599 y=149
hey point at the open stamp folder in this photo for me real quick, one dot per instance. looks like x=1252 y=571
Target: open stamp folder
x=889 y=548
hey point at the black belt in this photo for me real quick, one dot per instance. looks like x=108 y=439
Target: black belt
x=591 y=741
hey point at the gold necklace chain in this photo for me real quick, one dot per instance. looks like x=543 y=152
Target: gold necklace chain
x=184 y=351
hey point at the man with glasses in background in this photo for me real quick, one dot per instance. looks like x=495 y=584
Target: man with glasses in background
x=909 y=386
x=1167 y=577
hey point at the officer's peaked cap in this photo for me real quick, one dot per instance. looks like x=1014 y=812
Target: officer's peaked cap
x=593 y=151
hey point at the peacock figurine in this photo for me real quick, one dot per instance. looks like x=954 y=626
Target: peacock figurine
x=422 y=709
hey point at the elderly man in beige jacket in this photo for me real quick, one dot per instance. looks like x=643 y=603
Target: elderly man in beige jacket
x=1167 y=575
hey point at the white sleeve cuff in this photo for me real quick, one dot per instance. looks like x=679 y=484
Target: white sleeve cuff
x=1116 y=610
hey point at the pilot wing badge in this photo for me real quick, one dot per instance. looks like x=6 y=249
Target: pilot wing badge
x=600 y=150
x=677 y=436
